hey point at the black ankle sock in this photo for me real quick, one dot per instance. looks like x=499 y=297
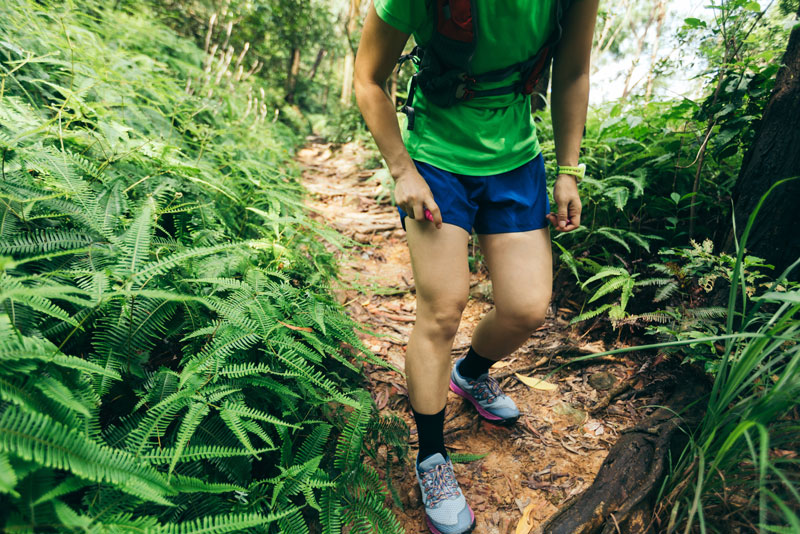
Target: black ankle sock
x=474 y=365
x=430 y=430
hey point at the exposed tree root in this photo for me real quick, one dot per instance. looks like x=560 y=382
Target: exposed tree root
x=620 y=498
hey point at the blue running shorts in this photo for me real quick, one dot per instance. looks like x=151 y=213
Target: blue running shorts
x=514 y=201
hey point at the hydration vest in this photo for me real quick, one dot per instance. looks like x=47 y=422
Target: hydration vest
x=444 y=65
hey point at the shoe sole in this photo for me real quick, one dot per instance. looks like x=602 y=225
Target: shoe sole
x=485 y=414
x=434 y=530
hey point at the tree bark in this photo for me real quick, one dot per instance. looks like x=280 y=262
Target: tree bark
x=661 y=9
x=349 y=58
x=621 y=497
x=774 y=156
x=294 y=72
x=320 y=56
x=639 y=49
x=605 y=41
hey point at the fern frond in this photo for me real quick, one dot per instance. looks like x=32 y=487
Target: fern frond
x=193 y=453
x=330 y=515
x=135 y=242
x=707 y=312
x=348 y=446
x=56 y=391
x=8 y=478
x=666 y=291
x=37 y=437
x=591 y=314
x=314 y=443
x=222 y=524
x=194 y=416
x=608 y=287
x=460 y=458
x=43 y=241
x=185 y=484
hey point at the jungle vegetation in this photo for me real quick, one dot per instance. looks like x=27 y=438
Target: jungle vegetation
x=172 y=358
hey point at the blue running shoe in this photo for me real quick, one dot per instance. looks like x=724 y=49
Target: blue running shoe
x=446 y=509
x=484 y=393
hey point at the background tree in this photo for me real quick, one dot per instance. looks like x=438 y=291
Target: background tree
x=774 y=156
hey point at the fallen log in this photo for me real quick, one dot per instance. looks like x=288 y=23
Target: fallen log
x=620 y=500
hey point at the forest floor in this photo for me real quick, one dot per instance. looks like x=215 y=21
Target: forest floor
x=559 y=443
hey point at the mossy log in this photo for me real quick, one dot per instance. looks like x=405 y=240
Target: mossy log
x=620 y=500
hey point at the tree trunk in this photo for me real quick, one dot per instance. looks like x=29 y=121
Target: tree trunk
x=639 y=49
x=320 y=56
x=661 y=9
x=349 y=58
x=773 y=156
x=291 y=78
x=621 y=497
x=605 y=40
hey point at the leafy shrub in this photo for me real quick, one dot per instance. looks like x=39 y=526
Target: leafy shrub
x=171 y=359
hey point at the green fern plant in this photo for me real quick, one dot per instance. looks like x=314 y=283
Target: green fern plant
x=171 y=357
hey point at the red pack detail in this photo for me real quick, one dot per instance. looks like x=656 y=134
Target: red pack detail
x=536 y=72
x=455 y=20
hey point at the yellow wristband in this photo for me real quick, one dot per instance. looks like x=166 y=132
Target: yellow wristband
x=578 y=172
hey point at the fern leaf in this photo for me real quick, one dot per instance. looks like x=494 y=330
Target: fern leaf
x=193 y=453
x=8 y=478
x=66 y=487
x=236 y=426
x=185 y=484
x=330 y=514
x=608 y=287
x=194 y=416
x=135 y=243
x=348 y=447
x=222 y=524
x=313 y=444
x=58 y=392
x=605 y=272
x=591 y=314
x=460 y=458
x=36 y=437
x=43 y=241
x=665 y=291
x=611 y=234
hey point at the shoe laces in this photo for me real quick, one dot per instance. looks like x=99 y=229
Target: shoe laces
x=486 y=389
x=439 y=483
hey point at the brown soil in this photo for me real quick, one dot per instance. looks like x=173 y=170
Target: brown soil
x=555 y=449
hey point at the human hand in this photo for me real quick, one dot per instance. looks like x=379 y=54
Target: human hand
x=565 y=194
x=412 y=195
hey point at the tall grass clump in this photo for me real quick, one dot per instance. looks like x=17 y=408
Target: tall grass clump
x=741 y=468
x=171 y=359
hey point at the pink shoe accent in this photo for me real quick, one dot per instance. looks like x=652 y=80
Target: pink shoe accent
x=434 y=530
x=460 y=392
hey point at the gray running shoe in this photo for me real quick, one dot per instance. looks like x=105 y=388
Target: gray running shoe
x=446 y=509
x=484 y=393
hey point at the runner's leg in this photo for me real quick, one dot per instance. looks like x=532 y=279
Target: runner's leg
x=520 y=267
x=441 y=276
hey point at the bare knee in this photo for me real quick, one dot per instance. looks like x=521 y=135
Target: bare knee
x=441 y=318
x=523 y=318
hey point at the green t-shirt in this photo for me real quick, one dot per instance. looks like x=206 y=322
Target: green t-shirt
x=488 y=135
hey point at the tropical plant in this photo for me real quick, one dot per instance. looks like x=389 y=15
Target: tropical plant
x=171 y=357
x=741 y=462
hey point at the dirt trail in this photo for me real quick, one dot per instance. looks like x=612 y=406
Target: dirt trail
x=555 y=449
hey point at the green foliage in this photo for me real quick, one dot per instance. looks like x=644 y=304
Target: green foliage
x=657 y=199
x=171 y=357
x=458 y=458
x=738 y=451
x=267 y=34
